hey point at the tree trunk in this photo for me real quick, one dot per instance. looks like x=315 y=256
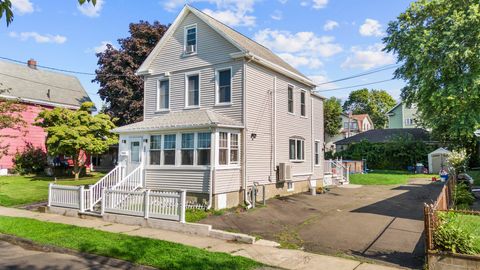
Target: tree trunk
x=76 y=167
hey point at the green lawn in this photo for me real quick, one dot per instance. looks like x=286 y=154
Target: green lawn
x=385 y=177
x=471 y=224
x=145 y=251
x=19 y=190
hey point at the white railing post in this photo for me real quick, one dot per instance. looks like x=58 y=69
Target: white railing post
x=183 y=205
x=81 y=199
x=103 y=202
x=146 y=201
x=90 y=199
x=49 y=194
x=348 y=174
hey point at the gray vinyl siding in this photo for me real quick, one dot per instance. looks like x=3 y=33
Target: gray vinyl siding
x=192 y=180
x=207 y=91
x=212 y=48
x=260 y=120
x=227 y=180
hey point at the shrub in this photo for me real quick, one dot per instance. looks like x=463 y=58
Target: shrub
x=457 y=161
x=462 y=197
x=31 y=160
x=450 y=237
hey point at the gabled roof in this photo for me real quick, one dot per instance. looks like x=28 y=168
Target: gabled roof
x=394 y=107
x=386 y=135
x=40 y=86
x=181 y=119
x=248 y=47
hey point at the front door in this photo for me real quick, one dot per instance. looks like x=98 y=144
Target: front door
x=135 y=154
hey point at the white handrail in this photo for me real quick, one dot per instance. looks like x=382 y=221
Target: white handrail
x=130 y=183
x=109 y=180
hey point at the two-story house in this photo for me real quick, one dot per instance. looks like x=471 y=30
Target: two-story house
x=402 y=116
x=352 y=124
x=222 y=113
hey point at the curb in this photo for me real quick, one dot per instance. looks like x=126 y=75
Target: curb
x=31 y=245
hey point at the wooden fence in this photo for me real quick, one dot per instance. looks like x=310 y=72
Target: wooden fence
x=168 y=204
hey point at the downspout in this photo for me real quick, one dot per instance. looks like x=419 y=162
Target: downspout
x=274 y=131
x=213 y=162
x=244 y=154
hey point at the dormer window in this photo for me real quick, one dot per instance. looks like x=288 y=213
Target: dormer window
x=191 y=39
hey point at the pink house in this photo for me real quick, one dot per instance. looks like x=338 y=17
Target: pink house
x=38 y=90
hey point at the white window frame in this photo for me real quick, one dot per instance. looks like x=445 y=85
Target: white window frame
x=185 y=39
x=217 y=86
x=230 y=164
x=302 y=143
x=293 y=99
x=316 y=151
x=187 y=75
x=162 y=79
x=304 y=115
x=150 y=149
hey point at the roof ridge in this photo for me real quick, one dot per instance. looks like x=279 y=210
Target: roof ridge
x=39 y=69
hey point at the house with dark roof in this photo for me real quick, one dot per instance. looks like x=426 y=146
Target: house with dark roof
x=351 y=125
x=222 y=114
x=37 y=89
x=385 y=135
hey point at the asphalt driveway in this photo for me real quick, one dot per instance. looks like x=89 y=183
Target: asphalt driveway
x=383 y=223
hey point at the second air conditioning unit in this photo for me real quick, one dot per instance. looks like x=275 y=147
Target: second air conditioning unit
x=284 y=172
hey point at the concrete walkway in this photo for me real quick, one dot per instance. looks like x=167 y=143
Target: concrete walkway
x=261 y=251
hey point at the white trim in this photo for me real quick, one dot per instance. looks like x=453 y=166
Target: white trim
x=303 y=152
x=217 y=86
x=190 y=74
x=229 y=164
x=185 y=29
x=159 y=80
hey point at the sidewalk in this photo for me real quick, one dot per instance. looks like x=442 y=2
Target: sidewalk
x=261 y=251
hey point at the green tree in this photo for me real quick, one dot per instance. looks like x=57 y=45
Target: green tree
x=120 y=88
x=10 y=117
x=6 y=9
x=76 y=133
x=332 y=109
x=437 y=44
x=375 y=103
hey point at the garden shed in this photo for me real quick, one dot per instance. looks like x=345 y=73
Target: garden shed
x=437 y=160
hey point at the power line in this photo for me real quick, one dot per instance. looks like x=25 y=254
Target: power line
x=353 y=86
x=362 y=74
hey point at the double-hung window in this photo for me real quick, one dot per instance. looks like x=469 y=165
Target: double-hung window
x=155 y=149
x=193 y=90
x=296 y=149
x=290 y=98
x=203 y=148
x=228 y=148
x=169 y=148
x=234 y=148
x=317 y=153
x=191 y=39
x=302 y=103
x=223 y=148
x=188 y=148
x=224 y=86
x=163 y=95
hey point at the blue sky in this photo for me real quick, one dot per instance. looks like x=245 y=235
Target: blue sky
x=324 y=39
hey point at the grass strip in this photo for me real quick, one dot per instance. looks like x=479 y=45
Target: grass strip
x=385 y=178
x=145 y=251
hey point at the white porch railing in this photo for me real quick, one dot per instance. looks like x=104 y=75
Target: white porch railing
x=131 y=182
x=149 y=204
x=65 y=196
x=339 y=172
x=109 y=180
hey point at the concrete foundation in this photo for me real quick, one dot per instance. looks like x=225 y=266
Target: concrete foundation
x=449 y=261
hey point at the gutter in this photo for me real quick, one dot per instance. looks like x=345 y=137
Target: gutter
x=244 y=138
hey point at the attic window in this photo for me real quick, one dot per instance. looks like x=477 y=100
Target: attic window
x=191 y=39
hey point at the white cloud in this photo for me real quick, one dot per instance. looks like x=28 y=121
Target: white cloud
x=321 y=81
x=88 y=9
x=330 y=25
x=47 y=38
x=283 y=1
x=368 y=58
x=298 y=61
x=277 y=15
x=102 y=47
x=231 y=12
x=23 y=6
x=318 y=4
x=371 y=27
x=303 y=43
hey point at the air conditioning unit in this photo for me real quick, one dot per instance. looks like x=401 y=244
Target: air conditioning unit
x=190 y=49
x=167 y=74
x=284 y=172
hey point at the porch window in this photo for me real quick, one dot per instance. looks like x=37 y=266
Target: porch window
x=163 y=95
x=233 y=148
x=188 y=147
x=223 y=148
x=302 y=103
x=193 y=90
x=290 y=99
x=297 y=149
x=169 y=143
x=317 y=153
x=155 y=149
x=203 y=148
x=224 y=86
